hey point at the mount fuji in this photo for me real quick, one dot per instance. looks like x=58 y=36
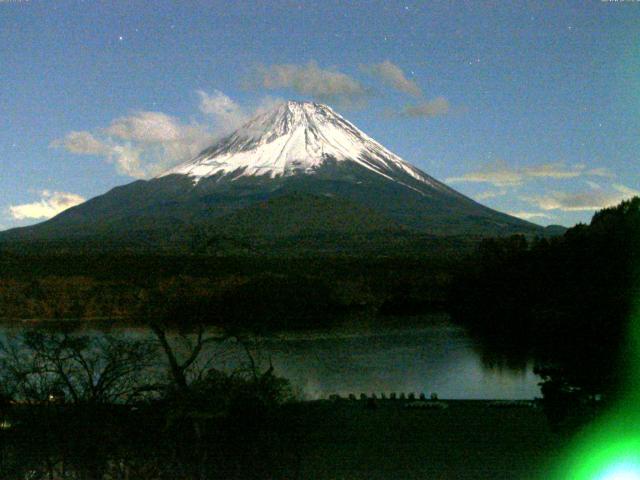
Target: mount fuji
x=297 y=171
x=298 y=138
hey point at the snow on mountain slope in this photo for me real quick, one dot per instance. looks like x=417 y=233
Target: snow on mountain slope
x=297 y=138
x=299 y=167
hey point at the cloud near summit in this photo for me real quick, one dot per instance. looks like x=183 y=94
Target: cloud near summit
x=323 y=84
x=334 y=86
x=392 y=75
x=229 y=114
x=145 y=143
x=427 y=109
x=141 y=144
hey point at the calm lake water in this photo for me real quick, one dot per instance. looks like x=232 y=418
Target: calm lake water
x=438 y=358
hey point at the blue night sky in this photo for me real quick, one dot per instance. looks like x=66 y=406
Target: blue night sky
x=532 y=108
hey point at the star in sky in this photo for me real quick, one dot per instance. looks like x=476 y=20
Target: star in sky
x=521 y=100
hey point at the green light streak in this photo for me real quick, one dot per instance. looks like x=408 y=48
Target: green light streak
x=610 y=448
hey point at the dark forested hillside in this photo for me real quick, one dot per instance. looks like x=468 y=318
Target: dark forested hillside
x=567 y=302
x=265 y=290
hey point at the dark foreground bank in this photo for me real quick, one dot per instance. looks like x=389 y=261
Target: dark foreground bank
x=390 y=440
x=342 y=439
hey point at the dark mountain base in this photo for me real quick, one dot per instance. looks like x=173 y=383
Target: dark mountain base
x=263 y=292
x=336 y=201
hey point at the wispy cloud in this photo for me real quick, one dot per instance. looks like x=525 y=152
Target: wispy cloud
x=392 y=75
x=595 y=198
x=601 y=172
x=486 y=195
x=499 y=174
x=529 y=215
x=125 y=157
x=626 y=191
x=324 y=84
x=82 y=143
x=49 y=205
x=227 y=113
x=553 y=170
x=140 y=145
x=145 y=143
x=427 y=109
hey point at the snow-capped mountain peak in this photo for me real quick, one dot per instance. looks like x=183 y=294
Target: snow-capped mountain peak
x=296 y=138
x=297 y=171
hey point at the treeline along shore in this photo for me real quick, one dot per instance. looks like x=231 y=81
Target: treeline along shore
x=569 y=303
x=564 y=302
x=278 y=292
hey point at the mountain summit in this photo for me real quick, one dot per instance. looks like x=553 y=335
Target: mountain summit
x=297 y=138
x=297 y=171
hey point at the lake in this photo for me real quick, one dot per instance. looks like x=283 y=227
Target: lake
x=438 y=358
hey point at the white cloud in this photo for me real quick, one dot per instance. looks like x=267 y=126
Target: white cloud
x=570 y=202
x=49 y=205
x=553 y=170
x=267 y=103
x=393 y=76
x=127 y=161
x=490 y=194
x=226 y=113
x=428 y=109
x=82 y=143
x=140 y=145
x=147 y=127
x=323 y=84
x=500 y=174
x=146 y=143
x=529 y=215
x=626 y=191
x=595 y=198
x=601 y=172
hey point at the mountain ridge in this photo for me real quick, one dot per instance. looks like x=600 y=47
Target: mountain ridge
x=297 y=148
x=295 y=137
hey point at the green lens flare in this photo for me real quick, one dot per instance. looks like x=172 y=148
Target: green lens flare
x=610 y=449
x=605 y=453
x=616 y=463
x=621 y=471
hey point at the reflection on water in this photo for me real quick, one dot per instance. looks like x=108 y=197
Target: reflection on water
x=441 y=359
x=437 y=358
